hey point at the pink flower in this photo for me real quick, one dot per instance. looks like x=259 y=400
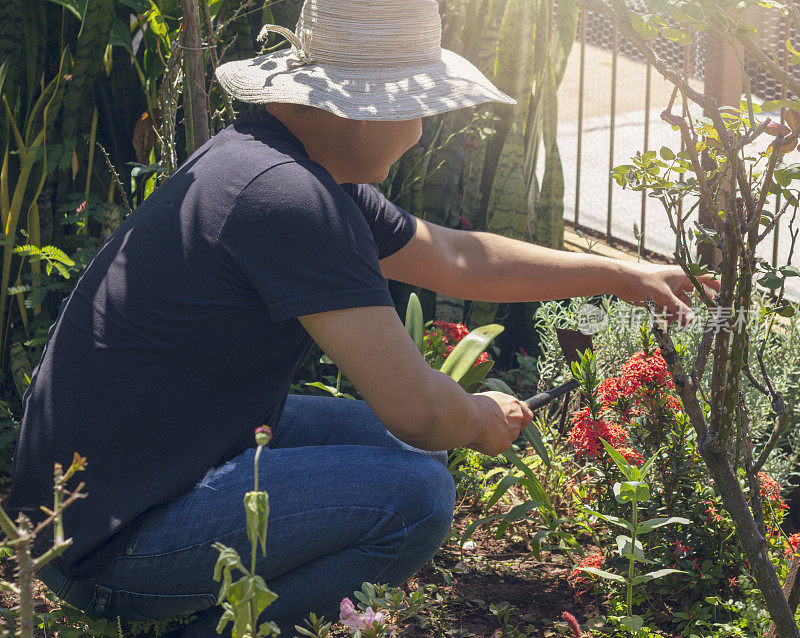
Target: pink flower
x=573 y=624
x=349 y=615
x=370 y=619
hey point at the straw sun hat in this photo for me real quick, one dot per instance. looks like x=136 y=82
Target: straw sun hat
x=363 y=60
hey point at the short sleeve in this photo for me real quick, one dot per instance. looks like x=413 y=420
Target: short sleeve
x=303 y=243
x=392 y=227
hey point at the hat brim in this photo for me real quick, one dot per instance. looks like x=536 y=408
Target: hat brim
x=374 y=93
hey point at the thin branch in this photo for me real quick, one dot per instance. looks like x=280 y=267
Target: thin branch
x=780 y=425
x=774 y=221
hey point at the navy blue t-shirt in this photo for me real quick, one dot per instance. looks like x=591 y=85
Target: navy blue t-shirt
x=182 y=336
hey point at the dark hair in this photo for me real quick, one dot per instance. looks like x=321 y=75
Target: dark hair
x=300 y=108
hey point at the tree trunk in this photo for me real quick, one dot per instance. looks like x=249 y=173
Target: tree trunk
x=195 y=100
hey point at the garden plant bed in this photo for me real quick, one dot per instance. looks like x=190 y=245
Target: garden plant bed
x=490 y=573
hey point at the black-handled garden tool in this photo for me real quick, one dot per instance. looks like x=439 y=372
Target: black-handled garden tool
x=573 y=343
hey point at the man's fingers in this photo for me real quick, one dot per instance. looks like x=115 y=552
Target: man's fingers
x=528 y=412
x=709 y=281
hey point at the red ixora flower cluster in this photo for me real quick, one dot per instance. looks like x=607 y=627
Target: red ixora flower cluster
x=712 y=515
x=592 y=560
x=642 y=377
x=792 y=542
x=771 y=490
x=587 y=431
x=452 y=334
x=642 y=371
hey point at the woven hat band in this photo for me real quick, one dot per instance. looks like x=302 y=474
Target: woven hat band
x=297 y=45
x=371 y=33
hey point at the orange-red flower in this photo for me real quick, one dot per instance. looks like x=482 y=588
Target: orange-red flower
x=592 y=560
x=771 y=490
x=650 y=371
x=791 y=544
x=587 y=431
x=631 y=455
x=453 y=332
x=711 y=512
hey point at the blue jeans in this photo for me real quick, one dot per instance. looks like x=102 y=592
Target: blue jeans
x=349 y=503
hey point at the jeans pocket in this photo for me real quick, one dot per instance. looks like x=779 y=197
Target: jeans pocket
x=133 y=606
x=133 y=534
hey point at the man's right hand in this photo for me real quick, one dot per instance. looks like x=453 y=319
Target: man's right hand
x=502 y=418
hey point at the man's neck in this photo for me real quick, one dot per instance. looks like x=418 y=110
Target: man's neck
x=321 y=133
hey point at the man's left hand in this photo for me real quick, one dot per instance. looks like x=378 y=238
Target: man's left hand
x=667 y=285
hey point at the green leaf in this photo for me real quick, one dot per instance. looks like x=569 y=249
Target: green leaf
x=136 y=6
x=667 y=153
x=614 y=520
x=633 y=623
x=774 y=105
x=515 y=514
x=534 y=437
x=618 y=459
x=645 y=469
x=697 y=269
x=771 y=280
x=470 y=530
x=502 y=487
x=330 y=389
x=624 y=549
x=536 y=543
x=790 y=271
x=603 y=574
x=677 y=35
x=498 y=385
x=644 y=578
x=414 y=321
x=631 y=491
x=467 y=351
x=256 y=507
x=120 y=35
x=475 y=374
x=76 y=7
x=645 y=527
x=532 y=483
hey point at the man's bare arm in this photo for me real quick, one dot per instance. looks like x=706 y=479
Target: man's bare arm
x=488 y=267
x=416 y=403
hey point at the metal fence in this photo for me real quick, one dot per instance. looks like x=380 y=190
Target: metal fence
x=617 y=113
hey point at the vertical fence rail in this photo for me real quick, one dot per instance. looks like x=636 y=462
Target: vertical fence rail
x=581 y=95
x=687 y=60
x=647 y=89
x=787 y=25
x=614 y=60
